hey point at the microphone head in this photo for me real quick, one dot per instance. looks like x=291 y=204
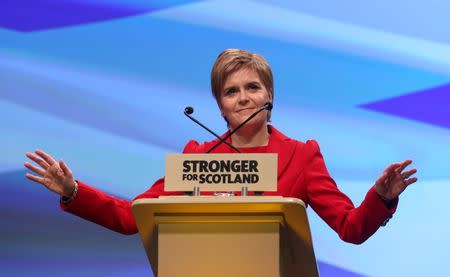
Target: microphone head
x=268 y=106
x=188 y=110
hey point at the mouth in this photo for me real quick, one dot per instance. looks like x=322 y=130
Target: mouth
x=246 y=109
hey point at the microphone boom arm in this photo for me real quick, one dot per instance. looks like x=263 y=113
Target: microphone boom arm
x=190 y=110
x=267 y=106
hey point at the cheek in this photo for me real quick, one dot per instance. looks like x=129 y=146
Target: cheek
x=266 y=97
x=269 y=96
x=224 y=107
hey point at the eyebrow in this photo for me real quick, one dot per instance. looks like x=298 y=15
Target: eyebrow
x=228 y=88
x=246 y=84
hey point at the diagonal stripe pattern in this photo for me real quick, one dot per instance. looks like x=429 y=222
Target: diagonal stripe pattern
x=30 y=16
x=429 y=106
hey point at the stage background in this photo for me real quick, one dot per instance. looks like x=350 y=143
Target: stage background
x=103 y=84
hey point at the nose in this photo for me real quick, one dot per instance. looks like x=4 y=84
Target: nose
x=243 y=97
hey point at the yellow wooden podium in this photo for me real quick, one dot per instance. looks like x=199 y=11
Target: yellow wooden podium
x=226 y=236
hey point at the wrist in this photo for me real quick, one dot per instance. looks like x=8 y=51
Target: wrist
x=68 y=199
x=388 y=202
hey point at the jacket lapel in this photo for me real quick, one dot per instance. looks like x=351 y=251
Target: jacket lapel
x=284 y=146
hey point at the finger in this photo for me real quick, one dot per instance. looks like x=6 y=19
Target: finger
x=410 y=181
x=37 y=160
x=44 y=181
x=383 y=176
x=404 y=164
x=36 y=169
x=46 y=157
x=35 y=178
x=407 y=174
x=65 y=169
x=391 y=172
x=382 y=179
x=392 y=167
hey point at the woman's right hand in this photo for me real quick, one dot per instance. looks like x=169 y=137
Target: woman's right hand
x=55 y=176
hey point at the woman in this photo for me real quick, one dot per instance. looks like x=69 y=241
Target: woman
x=242 y=82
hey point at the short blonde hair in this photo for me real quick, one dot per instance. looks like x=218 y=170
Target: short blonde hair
x=232 y=60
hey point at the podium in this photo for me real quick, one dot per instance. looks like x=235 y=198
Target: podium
x=226 y=236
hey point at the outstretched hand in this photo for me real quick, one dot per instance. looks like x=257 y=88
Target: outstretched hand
x=55 y=176
x=394 y=180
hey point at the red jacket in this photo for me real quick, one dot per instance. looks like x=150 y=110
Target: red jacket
x=301 y=174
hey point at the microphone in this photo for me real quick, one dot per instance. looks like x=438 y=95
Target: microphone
x=189 y=110
x=267 y=106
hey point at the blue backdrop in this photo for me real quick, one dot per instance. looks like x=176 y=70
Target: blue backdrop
x=103 y=84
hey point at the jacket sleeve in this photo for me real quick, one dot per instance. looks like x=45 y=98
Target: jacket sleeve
x=352 y=224
x=103 y=209
x=112 y=212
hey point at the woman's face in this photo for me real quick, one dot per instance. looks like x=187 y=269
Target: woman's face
x=243 y=93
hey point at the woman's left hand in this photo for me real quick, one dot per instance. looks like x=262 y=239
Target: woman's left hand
x=394 y=180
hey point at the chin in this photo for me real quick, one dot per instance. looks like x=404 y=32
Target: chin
x=252 y=124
